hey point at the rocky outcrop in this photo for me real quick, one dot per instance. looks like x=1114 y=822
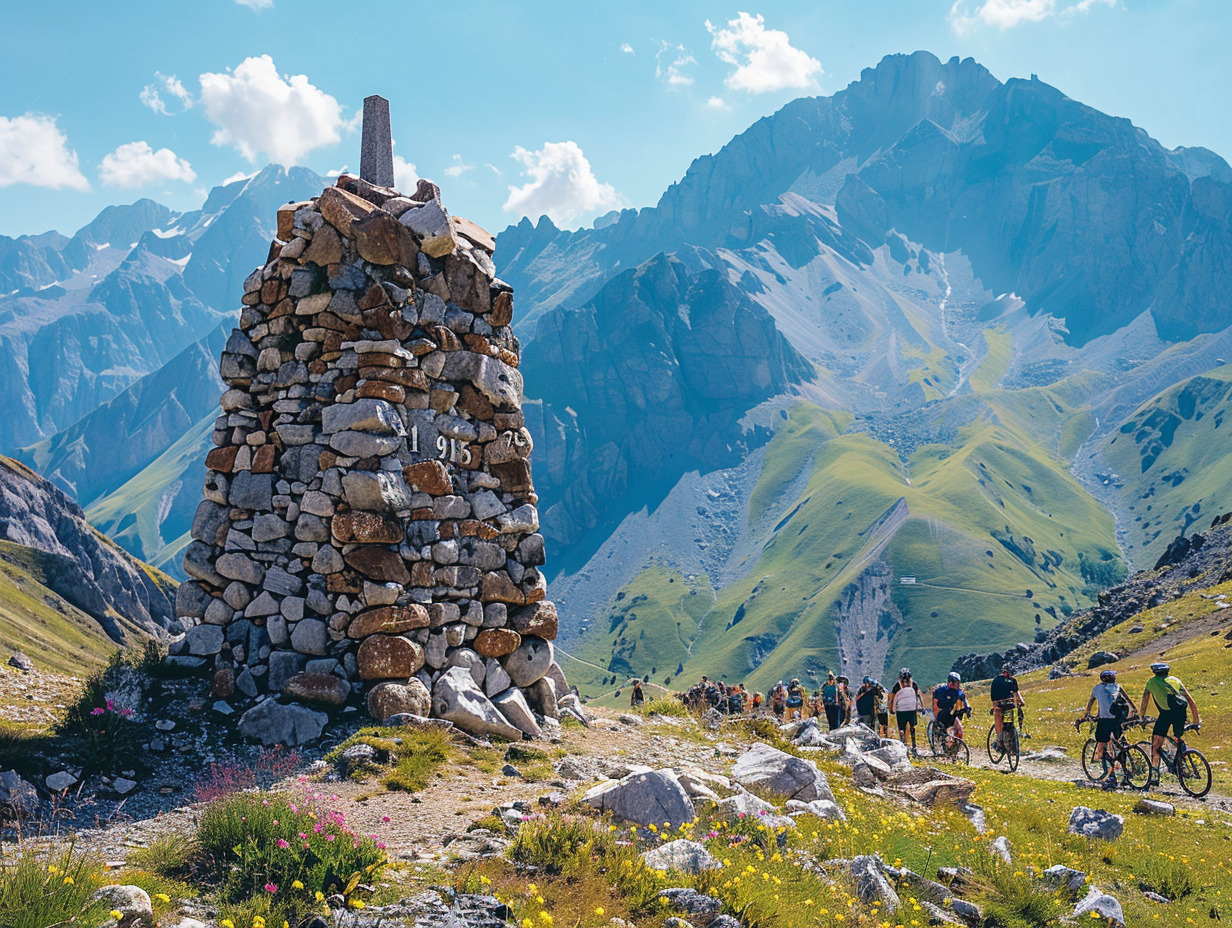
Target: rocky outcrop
x=369 y=514
x=79 y=564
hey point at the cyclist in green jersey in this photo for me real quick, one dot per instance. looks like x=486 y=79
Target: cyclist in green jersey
x=1171 y=700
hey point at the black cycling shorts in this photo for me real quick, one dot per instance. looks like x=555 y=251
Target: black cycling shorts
x=1169 y=718
x=906 y=718
x=945 y=720
x=1107 y=729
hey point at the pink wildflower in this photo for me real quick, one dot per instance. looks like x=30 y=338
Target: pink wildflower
x=271 y=888
x=283 y=843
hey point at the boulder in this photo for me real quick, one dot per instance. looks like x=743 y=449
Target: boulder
x=1061 y=875
x=1154 y=807
x=512 y=705
x=1100 y=658
x=18 y=799
x=931 y=787
x=204 y=640
x=323 y=688
x=704 y=908
x=871 y=884
x=1098 y=903
x=683 y=855
x=1000 y=847
x=389 y=657
x=1095 y=823
x=529 y=662
x=271 y=722
x=389 y=699
x=21 y=662
x=388 y=620
x=765 y=768
x=132 y=902
x=652 y=798
x=497 y=642
x=456 y=698
x=822 y=808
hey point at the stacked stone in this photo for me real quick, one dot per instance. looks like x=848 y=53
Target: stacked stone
x=369 y=516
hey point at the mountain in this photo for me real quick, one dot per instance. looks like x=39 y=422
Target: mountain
x=65 y=589
x=82 y=319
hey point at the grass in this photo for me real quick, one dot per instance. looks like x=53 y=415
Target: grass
x=417 y=756
x=46 y=889
x=996 y=362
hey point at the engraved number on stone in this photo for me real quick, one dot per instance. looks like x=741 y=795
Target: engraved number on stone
x=456 y=451
x=414 y=439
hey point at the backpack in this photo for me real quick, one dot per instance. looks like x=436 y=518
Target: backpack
x=1120 y=706
x=1176 y=702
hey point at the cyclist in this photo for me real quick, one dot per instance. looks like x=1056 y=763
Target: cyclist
x=950 y=704
x=1005 y=695
x=1171 y=699
x=866 y=703
x=1115 y=709
x=829 y=701
x=906 y=701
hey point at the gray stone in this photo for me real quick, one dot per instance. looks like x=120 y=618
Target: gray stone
x=1154 y=807
x=530 y=661
x=268 y=527
x=276 y=628
x=683 y=855
x=765 y=768
x=364 y=415
x=1061 y=875
x=650 y=798
x=283 y=665
x=59 y=781
x=263 y=605
x=465 y=657
x=1099 y=903
x=236 y=595
x=704 y=908
x=204 y=640
x=18 y=799
x=279 y=581
x=512 y=705
x=500 y=383
x=822 y=808
x=523 y=519
x=327 y=561
x=376 y=152
x=1000 y=847
x=1095 y=823
x=191 y=600
x=217 y=613
x=310 y=636
x=872 y=885
x=271 y=722
x=456 y=698
x=365 y=444
x=496 y=680
x=235 y=566
x=132 y=902
x=432 y=227
x=386 y=700
x=252 y=491
x=377 y=491
x=485 y=504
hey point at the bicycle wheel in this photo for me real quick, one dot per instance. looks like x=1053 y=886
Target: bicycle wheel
x=1012 y=747
x=934 y=741
x=959 y=752
x=1194 y=772
x=995 y=751
x=1090 y=766
x=1135 y=766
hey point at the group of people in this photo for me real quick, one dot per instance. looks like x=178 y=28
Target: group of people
x=1114 y=709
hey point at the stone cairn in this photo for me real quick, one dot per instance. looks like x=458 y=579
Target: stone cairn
x=369 y=519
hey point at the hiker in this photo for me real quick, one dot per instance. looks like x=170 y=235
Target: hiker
x=829 y=700
x=637 y=697
x=844 y=700
x=866 y=703
x=906 y=701
x=778 y=699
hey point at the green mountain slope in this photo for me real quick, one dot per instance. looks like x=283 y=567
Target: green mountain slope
x=1170 y=463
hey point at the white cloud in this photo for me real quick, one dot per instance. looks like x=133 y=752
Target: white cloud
x=562 y=184
x=406 y=177
x=493 y=168
x=257 y=4
x=34 y=151
x=458 y=168
x=259 y=111
x=626 y=48
x=241 y=175
x=717 y=103
x=137 y=164
x=1006 y=14
x=764 y=59
x=151 y=94
x=672 y=70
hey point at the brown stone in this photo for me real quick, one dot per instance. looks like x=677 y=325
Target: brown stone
x=390 y=699
x=341 y=209
x=346 y=382
x=380 y=564
x=265 y=460
x=286 y=220
x=514 y=476
x=360 y=526
x=473 y=528
x=422 y=574
x=496 y=587
x=446 y=339
x=512 y=358
x=475 y=404
x=383 y=240
x=477 y=343
x=326 y=460
x=343 y=582
x=285 y=307
x=509 y=420
x=496 y=642
x=539 y=620
x=381 y=359
x=388 y=620
x=322 y=688
x=474 y=234
x=222 y=459
x=389 y=322
x=325 y=248
x=429 y=477
x=272 y=291
x=223 y=686
x=381 y=391
x=412 y=378
x=317 y=367
x=388 y=657
x=422 y=515
x=375 y=296
x=502 y=310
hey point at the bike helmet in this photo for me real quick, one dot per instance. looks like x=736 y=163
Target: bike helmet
x=905 y=673
x=1160 y=669
x=867 y=679
x=795 y=681
x=1006 y=668
x=1107 y=676
x=954 y=677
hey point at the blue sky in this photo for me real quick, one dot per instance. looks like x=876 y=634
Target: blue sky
x=523 y=108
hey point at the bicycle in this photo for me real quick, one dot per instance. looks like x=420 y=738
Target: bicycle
x=1006 y=747
x=946 y=745
x=1135 y=763
x=1188 y=765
